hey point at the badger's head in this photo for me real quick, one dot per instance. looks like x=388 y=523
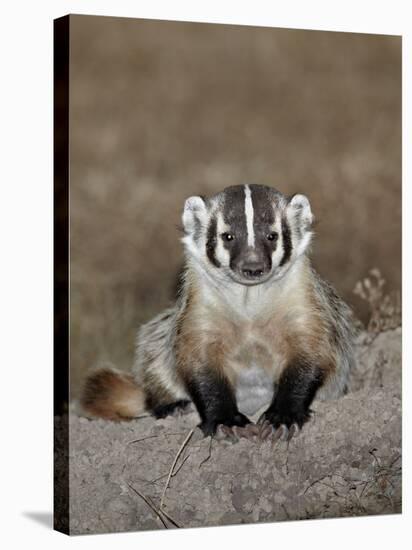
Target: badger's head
x=249 y=233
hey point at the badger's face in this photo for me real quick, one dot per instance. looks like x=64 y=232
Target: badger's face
x=249 y=233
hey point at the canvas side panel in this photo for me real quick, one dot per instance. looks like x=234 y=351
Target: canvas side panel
x=61 y=273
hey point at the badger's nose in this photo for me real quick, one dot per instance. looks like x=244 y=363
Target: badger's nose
x=252 y=270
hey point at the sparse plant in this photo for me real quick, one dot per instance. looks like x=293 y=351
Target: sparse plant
x=385 y=308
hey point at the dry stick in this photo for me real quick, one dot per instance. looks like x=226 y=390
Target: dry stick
x=148 y=502
x=152 y=506
x=142 y=439
x=179 y=452
x=287 y=458
x=365 y=486
x=209 y=454
x=169 y=517
x=152 y=436
x=394 y=460
x=314 y=483
x=156 y=479
x=180 y=465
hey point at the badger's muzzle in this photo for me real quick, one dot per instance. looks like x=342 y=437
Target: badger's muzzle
x=252 y=270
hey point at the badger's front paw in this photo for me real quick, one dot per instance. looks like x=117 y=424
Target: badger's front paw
x=238 y=420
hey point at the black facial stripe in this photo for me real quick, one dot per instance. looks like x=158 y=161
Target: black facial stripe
x=234 y=210
x=269 y=247
x=262 y=201
x=211 y=242
x=235 y=250
x=287 y=241
x=234 y=216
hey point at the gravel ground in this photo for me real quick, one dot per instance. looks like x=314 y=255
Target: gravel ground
x=345 y=462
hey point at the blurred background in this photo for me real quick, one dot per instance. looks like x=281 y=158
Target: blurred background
x=162 y=110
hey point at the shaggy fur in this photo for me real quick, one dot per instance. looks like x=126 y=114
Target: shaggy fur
x=254 y=323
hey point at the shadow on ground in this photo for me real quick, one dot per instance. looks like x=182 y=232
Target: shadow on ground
x=42 y=518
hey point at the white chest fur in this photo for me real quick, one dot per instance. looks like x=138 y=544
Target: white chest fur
x=256 y=367
x=254 y=389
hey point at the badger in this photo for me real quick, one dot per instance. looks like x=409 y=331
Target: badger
x=253 y=325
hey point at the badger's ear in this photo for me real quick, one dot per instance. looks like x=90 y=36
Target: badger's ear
x=194 y=214
x=299 y=207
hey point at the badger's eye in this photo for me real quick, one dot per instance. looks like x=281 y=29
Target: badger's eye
x=228 y=236
x=272 y=236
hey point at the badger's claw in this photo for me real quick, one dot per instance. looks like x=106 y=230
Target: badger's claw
x=293 y=430
x=225 y=432
x=264 y=431
x=234 y=433
x=281 y=433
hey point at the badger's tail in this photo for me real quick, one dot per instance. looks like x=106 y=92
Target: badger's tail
x=112 y=395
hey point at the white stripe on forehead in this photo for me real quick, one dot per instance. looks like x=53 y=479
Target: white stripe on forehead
x=249 y=213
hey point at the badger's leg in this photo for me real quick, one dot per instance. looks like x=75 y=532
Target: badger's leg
x=290 y=407
x=214 y=399
x=163 y=397
x=154 y=366
x=175 y=408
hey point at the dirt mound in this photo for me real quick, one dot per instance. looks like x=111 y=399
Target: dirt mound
x=345 y=462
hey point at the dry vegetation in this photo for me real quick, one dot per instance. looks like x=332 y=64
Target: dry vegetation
x=384 y=309
x=160 y=111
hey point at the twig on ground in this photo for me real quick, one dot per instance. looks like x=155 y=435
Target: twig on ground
x=179 y=452
x=149 y=503
x=152 y=506
x=151 y=437
x=375 y=456
x=142 y=439
x=287 y=458
x=180 y=465
x=394 y=460
x=156 y=479
x=314 y=483
x=169 y=517
x=209 y=453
